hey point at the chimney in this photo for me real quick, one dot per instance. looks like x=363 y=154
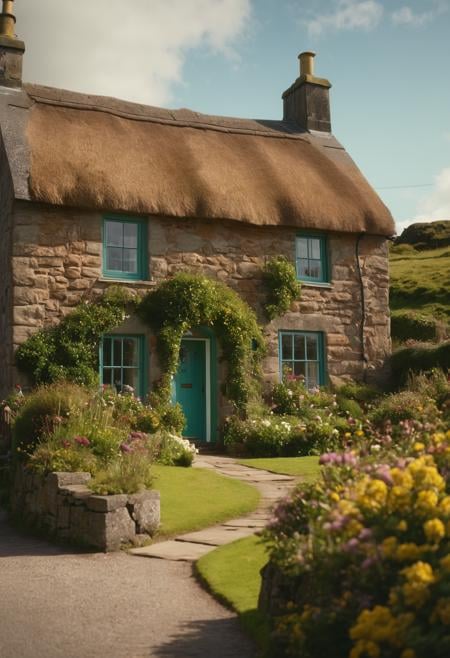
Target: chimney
x=307 y=101
x=11 y=48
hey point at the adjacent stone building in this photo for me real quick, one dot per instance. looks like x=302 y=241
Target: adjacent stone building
x=96 y=191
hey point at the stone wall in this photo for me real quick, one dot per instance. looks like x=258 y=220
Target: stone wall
x=57 y=263
x=6 y=204
x=63 y=506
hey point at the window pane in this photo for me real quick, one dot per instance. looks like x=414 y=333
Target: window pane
x=130 y=378
x=313 y=375
x=117 y=352
x=130 y=235
x=299 y=348
x=130 y=352
x=299 y=369
x=302 y=248
x=107 y=351
x=303 y=268
x=117 y=379
x=315 y=269
x=114 y=234
x=311 y=345
x=114 y=258
x=129 y=260
x=314 y=248
x=286 y=347
x=107 y=376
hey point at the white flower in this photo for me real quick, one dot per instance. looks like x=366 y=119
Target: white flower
x=265 y=422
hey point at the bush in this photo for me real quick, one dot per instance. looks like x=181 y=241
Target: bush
x=43 y=410
x=173 y=450
x=292 y=397
x=129 y=474
x=362 y=393
x=360 y=560
x=419 y=358
x=407 y=325
x=280 y=279
x=406 y=405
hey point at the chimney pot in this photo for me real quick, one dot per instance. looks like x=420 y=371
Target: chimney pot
x=7 y=19
x=11 y=48
x=307 y=62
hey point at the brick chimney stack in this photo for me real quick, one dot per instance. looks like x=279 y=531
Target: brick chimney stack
x=11 y=48
x=307 y=101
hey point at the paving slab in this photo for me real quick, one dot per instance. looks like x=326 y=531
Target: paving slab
x=259 y=522
x=183 y=551
x=217 y=535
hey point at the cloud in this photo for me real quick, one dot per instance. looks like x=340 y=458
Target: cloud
x=348 y=15
x=436 y=205
x=407 y=16
x=133 y=50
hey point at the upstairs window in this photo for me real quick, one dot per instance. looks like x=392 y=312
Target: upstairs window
x=311 y=258
x=302 y=357
x=124 y=248
x=122 y=363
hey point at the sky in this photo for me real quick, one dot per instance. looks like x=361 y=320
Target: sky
x=388 y=62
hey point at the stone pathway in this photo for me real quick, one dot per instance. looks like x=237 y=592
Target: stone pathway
x=191 y=546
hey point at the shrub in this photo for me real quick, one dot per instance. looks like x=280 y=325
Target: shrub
x=129 y=474
x=43 y=410
x=69 y=351
x=280 y=279
x=349 y=406
x=292 y=397
x=361 y=559
x=362 y=393
x=407 y=325
x=406 y=405
x=420 y=357
x=173 y=450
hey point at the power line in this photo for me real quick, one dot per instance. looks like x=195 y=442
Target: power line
x=403 y=187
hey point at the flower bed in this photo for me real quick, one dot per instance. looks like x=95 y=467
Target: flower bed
x=360 y=561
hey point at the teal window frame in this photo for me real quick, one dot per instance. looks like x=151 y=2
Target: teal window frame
x=323 y=245
x=142 y=361
x=321 y=365
x=142 y=256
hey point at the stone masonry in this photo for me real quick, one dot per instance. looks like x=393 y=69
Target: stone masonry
x=56 y=264
x=63 y=506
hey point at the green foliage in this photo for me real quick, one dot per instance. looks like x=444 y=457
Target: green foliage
x=409 y=325
x=44 y=410
x=280 y=279
x=292 y=397
x=349 y=406
x=406 y=405
x=173 y=450
x=69 y=351
x=417 y=358
x=188 y=301
x=362 y=393
x=129 y=474
x=426 y=235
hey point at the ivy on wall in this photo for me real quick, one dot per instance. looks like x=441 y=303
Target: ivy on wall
x=280 y=279
x=192 y=300
x=70 y=349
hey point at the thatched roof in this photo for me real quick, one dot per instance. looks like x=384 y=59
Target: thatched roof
x=106 y=154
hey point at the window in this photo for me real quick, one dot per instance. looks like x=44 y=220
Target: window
x=302 y=357
x=122 y=363
x=124 y=248
x=311 y=258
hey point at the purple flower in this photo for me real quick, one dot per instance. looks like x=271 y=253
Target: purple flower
x=82 y=441
x=125 y=448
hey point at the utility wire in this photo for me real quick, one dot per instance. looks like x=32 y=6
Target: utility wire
x=403 y=187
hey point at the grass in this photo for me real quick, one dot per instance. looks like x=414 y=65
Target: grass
x=420 y=281
x=232 y=574
x=195 y=498
x=306 y=467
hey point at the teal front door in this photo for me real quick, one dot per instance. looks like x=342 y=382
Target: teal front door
x=190 y=387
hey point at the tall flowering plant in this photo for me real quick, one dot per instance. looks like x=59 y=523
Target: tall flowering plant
x=363 y=555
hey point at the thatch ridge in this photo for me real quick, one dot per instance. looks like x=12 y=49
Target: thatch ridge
x=101 y=153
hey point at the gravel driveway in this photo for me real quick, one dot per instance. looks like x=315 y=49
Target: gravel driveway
x=60 y=604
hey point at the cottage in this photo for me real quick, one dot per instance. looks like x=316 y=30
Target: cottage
x=97 y=190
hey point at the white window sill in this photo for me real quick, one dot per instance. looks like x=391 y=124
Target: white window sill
x=311 y=284
x=131 y=282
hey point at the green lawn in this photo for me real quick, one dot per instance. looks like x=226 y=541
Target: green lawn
x=306 y=467
x=232 y=574
x=194 y=498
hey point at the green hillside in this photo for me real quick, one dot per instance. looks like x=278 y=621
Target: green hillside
x=420 y=282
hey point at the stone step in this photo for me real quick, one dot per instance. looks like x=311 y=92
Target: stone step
x=174 y=550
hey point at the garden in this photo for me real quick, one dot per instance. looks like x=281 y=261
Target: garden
x=357 y=560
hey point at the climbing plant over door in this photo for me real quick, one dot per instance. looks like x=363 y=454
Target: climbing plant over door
x=192 y=300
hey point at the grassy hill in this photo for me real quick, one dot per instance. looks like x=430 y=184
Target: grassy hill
x=420 y=282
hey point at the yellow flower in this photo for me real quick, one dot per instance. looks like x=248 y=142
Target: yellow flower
x=425 y=474
x=444 y=506
x=434 y=530
x=334 y=496
x=408 y=653
x=445 y=563
x=399 y=498
x=401 y=478
x=419 y=577
x=442 y=611
x=426 y=501
x=371 y=494
x=402 y=526
x=359 y=433
x=418 y=446
x=408 y=551
x=389 y=547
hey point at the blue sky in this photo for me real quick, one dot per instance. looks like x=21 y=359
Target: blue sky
x=388 y=62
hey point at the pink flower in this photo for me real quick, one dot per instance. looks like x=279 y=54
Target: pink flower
x=82 y=441
x=66 y=443
x=125 y=448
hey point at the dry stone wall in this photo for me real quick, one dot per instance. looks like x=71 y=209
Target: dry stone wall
x=62 y=505
x=57 y=263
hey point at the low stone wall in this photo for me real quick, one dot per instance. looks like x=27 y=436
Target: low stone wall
x=63 y=505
